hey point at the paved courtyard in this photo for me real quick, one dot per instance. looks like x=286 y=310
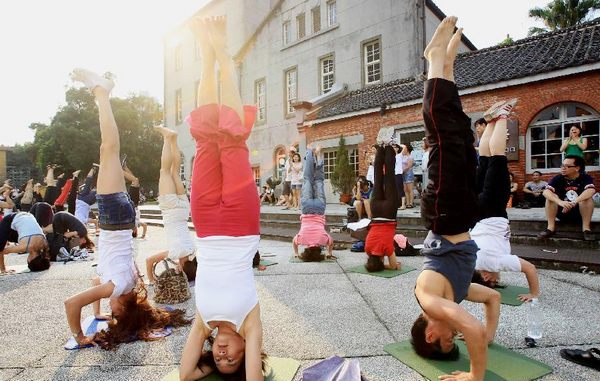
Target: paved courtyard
x=309 y=312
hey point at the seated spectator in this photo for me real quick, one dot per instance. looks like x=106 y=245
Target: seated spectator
x=533 y=191
x=569 y=197
x=267 y=195
x=362 y=193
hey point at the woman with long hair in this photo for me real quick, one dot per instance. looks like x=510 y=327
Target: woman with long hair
x=175 y=208
x=312 y=233
x=296 y=168
x=132 y=316
x=225 y=212
x=384 y=206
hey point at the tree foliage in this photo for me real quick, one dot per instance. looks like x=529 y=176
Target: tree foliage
x=72 y=139
x=560 y=14
x=342 y=177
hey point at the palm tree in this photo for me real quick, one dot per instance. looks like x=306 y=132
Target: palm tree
x=559 y=14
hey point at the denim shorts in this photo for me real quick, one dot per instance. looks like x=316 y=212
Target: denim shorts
x=409 y=177
x=296 y=186
x=116 y=211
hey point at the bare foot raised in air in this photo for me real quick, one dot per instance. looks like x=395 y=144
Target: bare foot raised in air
x=166 y=133
x=451 y=52
x=435 y=52
x=217 y=27
x=439 y=42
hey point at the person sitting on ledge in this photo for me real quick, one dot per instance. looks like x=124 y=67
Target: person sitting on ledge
x=569 y=198
x=534 y=190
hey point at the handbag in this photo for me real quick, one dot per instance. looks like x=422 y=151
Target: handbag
x=171 y=286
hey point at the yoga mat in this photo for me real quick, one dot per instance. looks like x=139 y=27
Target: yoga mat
x=266 y=262
x=384 y=274
x=92 y=325
x=19 y=269
x=298 y=260
x=502 y=364
x=509 y=294
x=277 y=369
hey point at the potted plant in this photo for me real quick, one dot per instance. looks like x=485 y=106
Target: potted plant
x=343 y=177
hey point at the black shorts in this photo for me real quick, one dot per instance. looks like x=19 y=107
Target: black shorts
x=571 y=217
x=7 y=234
x=449 y=203
x=493 y=186
x=287 y=188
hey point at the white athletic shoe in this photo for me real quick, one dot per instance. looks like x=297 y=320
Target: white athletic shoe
x=385 y=135
x=91 y=80
x=499 y=109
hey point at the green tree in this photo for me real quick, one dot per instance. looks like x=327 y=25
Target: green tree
x=72 y=139
x=507 y=41
x=560 y=14
x=343 y=176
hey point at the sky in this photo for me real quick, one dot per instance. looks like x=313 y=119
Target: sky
x=42 y=41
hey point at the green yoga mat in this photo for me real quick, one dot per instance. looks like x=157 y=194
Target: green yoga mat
x=278 y=369
x=265 y=262
x=384 y=274
x=298 y=260
x=509 y=294
x=503 y=364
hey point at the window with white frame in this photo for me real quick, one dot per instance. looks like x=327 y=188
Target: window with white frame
x=260 y=97
x=178 y=57
x=291 y=89
x=551 y=127
x=301 y=25
x=372 y=62
x=331 y=13
x=178 y=107
x=287 y=33
x=256 y=174
x=327 y=71
x=329 y=160
x=316 y=19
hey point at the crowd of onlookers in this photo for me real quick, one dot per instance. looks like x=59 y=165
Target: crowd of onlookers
x=569 y=196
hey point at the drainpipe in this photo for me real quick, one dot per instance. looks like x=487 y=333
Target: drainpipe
x=421 y=5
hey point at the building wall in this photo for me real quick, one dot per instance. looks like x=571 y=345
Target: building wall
x=398 y=24
x=533 y=98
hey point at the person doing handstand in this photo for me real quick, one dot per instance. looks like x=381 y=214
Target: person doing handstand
x=312 y=234
x=449 y=210
x=226 y=213
x=384 y=206
x=492 y=231
x=175 y=208
x=118 y=279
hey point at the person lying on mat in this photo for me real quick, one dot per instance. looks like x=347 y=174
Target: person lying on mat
x=449 y=210
x=492 y=231
x=384 y=206
x=312 y=232
x=23 y=229
x=175 y=207
x=118 y=278
x=69 y=226
x=226 y=214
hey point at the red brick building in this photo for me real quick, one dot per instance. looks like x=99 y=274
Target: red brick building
x=555 y=76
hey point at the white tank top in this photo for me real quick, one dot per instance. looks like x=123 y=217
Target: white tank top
x=225 y=289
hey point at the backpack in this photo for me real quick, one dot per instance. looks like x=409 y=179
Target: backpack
x=358 y=247
x=351 y=214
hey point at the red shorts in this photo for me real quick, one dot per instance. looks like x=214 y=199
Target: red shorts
x=380 y=240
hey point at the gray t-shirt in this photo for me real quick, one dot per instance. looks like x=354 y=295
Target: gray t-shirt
x=539 y=187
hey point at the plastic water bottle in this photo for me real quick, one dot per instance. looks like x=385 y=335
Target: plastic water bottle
x=534 y=320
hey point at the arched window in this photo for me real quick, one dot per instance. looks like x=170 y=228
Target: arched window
x=549 y=129
x=280 y=157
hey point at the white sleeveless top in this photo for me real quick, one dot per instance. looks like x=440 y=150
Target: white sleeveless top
x=225 y=289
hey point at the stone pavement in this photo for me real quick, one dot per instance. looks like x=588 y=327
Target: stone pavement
x=310 y=311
